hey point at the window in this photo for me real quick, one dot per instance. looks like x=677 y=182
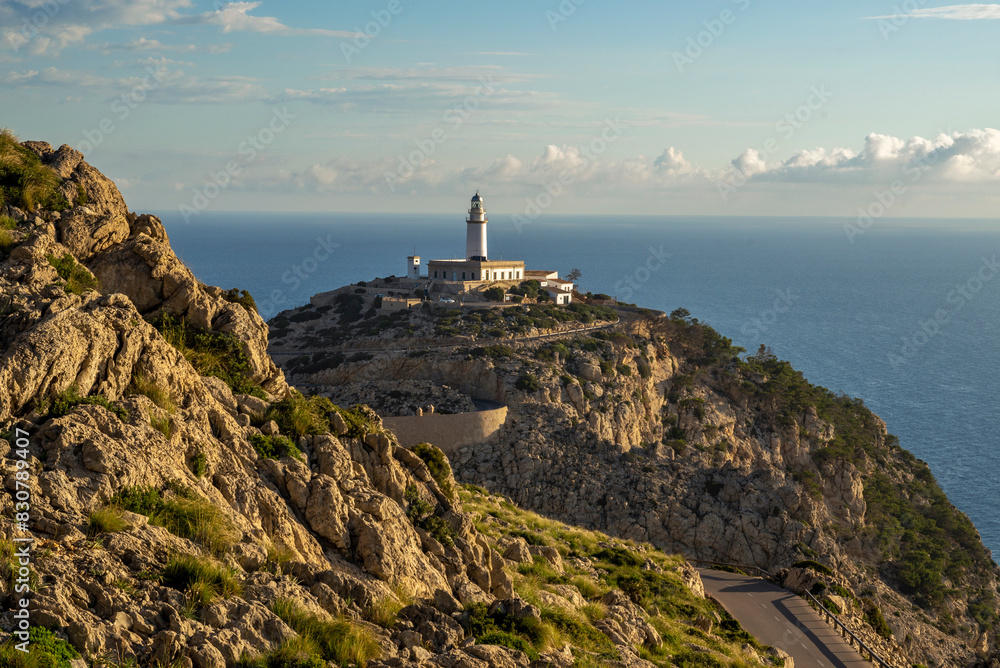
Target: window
x=463 y=275
x=435 y=274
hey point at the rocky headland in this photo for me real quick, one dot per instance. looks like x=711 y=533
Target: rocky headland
x=657 y=429
x=185 y=507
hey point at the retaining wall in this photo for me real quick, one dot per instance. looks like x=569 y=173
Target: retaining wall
x=448 y=432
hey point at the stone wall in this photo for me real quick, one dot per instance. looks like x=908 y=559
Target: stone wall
x=448 y=432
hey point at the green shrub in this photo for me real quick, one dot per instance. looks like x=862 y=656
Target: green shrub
x=493 y=352
x=241 y=297
x=813 y=565
x=78 y=279
x=70 y=398
x=217 y=354
x=624 y=369
x=618 y=557
x=24 y=181
x=298 y=415
x=528 y=383
x=46 y=650
x=338 y=640
x=494 y=294
x=875 y=619
x=7 y=223
x=162 y=424
x=81 y=195
x=107 y=519
x=275 y=447
x=199 y=463
x=499 y=629
x=437 y=464
x=421 y=514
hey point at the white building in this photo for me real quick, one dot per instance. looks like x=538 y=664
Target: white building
x=476 y=267
x=478 y=271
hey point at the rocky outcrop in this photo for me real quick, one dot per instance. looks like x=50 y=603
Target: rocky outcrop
x=174 y=523
x=650 y=433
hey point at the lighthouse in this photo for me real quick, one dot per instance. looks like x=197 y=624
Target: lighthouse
x=475 y=240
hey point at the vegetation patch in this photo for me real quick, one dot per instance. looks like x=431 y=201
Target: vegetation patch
x=46 y=650
x=298 y=415
x=78 y=279
x=217 y=354
x=337 y=640
x=70 y=398
x=275 y=447
x=437 y=464
x=241 y=297
x=182 y=513
x=24 y=181
x=421 y=515
x=107 y=519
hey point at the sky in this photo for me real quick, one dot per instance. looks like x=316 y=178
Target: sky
x=724 y=107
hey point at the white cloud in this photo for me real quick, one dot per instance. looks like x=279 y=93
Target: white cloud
x=143 y=44
x=158 y=83
x=44 y=28
x=954 y=12
x=972 y=158
x=235 y=17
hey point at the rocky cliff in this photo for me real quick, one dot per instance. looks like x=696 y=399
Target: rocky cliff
x=658 y=429
x=189 y=509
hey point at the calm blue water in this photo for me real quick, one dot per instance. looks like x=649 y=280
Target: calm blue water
x=907 y=317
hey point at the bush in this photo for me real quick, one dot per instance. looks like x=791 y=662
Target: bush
x=875 y=619
x=437 y=464
x=495 y=294
x=492 y=352
x=199 y=463
x=46 y=650
x=24 y=181
x=298 y=415
x=295 y=652
x=421 y=515
x=241 y=297
x=70 y=398
x=275 y=447
x=338 y=640
x=78 y=279
x=528 y=383
x=624 y=369
x=813 y=565
x=217 y=354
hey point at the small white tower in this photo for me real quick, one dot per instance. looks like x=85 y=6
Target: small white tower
x=413 y=266
x=475 y=241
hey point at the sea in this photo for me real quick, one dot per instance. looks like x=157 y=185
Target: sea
x=904 y=313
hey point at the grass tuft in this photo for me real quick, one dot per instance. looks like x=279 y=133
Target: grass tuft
x=107 y=519
x=338 y=640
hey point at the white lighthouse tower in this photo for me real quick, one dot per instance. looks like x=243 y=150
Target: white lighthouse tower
x=475 y=240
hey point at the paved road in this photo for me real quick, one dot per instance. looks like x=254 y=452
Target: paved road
x=779 y=618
